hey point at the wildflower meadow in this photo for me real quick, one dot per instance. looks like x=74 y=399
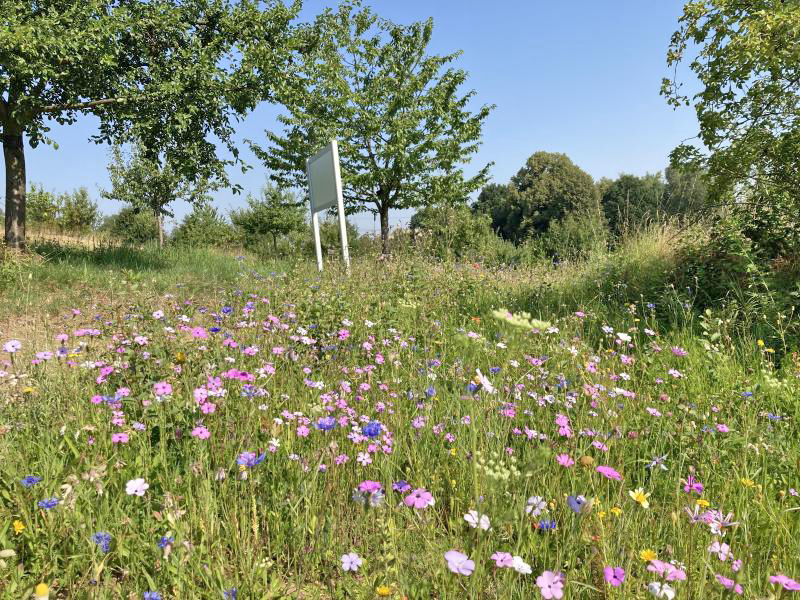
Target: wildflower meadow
x=408 y=431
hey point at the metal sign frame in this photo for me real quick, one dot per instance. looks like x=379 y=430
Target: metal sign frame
x=325 y=190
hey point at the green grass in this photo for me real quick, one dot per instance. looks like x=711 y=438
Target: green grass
x=417 y=334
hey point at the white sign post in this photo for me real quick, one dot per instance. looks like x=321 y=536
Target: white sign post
x=325 y=186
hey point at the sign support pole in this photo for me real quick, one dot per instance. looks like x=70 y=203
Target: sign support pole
x=340 y=205
x=317 y=242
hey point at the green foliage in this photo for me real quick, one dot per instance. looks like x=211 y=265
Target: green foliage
x=745 y=57
x=769 y=220
x=686 y=191
x=543 y=192
x=132 y=226
x=275 y=214
x=172 y=75
x=631 y=201
x=448 y=232
x=402 y=126
x=576 y=236
x=78 y=212
x=204 y=227
x=73 y=212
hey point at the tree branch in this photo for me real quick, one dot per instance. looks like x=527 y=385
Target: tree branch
x=80 y=105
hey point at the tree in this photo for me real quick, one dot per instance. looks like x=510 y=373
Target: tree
x=545 y=190
x=132 y=226
x=204 y=226
x=746 y=57
x=686 y=190
x=630 y=201
x=402 y=126
x=172 y=74
x=276 y=213
x=146 y=185
x=78 y=212
x=495 y=201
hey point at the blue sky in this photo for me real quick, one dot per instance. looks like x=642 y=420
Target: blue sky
x=579 y=77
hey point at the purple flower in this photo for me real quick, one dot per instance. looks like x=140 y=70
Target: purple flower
x=459 y=563
x=614 y=575
x=419 y=498
x=551 y=585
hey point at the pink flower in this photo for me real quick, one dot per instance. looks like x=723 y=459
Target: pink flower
x=503 y=559
x=692 y=485
x=607 y=471
x=208 y=408
x=565 y=461
x=723 y=551
x=729 y=584
x=614 y=575
x=369 y=487
x=668 y=571
x=722 y=428
x=419 y=498
x=551 y=585
x=199 y=333
x=119 y=438
x=201 y=432
x=302 y=431
x=786 y=582
x=162 y=388
x=459 y=563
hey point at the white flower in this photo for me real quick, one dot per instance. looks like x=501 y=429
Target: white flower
x=536 y=505
x=520 y=566
x=624 y=337
x=476 y=519
x=351 y=562
x=661 y=590
x=136 y=487
x=485 y=383
x=12 y=346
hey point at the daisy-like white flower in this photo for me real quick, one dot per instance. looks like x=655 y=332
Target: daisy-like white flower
x=477 y=520
x=136 y=487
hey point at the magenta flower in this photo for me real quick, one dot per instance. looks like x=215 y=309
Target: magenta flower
x=565 y=461
x=787 y=582
x=119 y=438
x=666 y=570
x=692 y=485
x=419 y=498
x=551 y=585
x=503 y=559
x=162 y=388
x=608 y=472
x=459 y=563
x=369 y=487
x=730 y=584
x=201 y=432
x=614 y=575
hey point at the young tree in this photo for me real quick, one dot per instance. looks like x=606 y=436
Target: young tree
x=631 y=201
x=275 y=213
x=403 y=127
x=169 y=73
x=146 y=185
x=747 y=59
x=204 y=226
x=78 y=212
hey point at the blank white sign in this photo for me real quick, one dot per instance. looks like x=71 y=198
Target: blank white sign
x=322 y=178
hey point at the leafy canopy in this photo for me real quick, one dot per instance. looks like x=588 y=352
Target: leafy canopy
x=746 y=56
x=403 y=127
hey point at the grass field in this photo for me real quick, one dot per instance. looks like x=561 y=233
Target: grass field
x=198 y=425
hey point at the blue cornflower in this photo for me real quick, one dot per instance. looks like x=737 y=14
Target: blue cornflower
x=326 y=423
x=226 y=310
x=546 y=525
x=30 y=480
x=472 y=387
x=250 y=459
x=494 y=370
x=214 y=329
x=152 y=596
x=102 y=539
x=371 y=429
x=576 y=503
x=746 y=394
x=430 y=392
x=230 y=594
x=48 y=503
x=165 y=541
x=651 y=306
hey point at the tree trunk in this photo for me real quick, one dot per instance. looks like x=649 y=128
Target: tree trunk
x=384 y=211
x=14 y=155
x=160 y=219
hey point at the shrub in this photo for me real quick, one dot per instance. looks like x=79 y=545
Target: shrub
x=131 y=226
x=204 y=227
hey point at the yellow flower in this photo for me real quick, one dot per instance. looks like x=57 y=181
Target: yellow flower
x=702 y=503
x=747 y=482
x=602 y=514
x=639 y=496
x=617 y=511
x=384 y=590
x=452 y=451
x=760 y=343
x=41 y=592
x=647 y=555
x=27 y=390
x=18 y=526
